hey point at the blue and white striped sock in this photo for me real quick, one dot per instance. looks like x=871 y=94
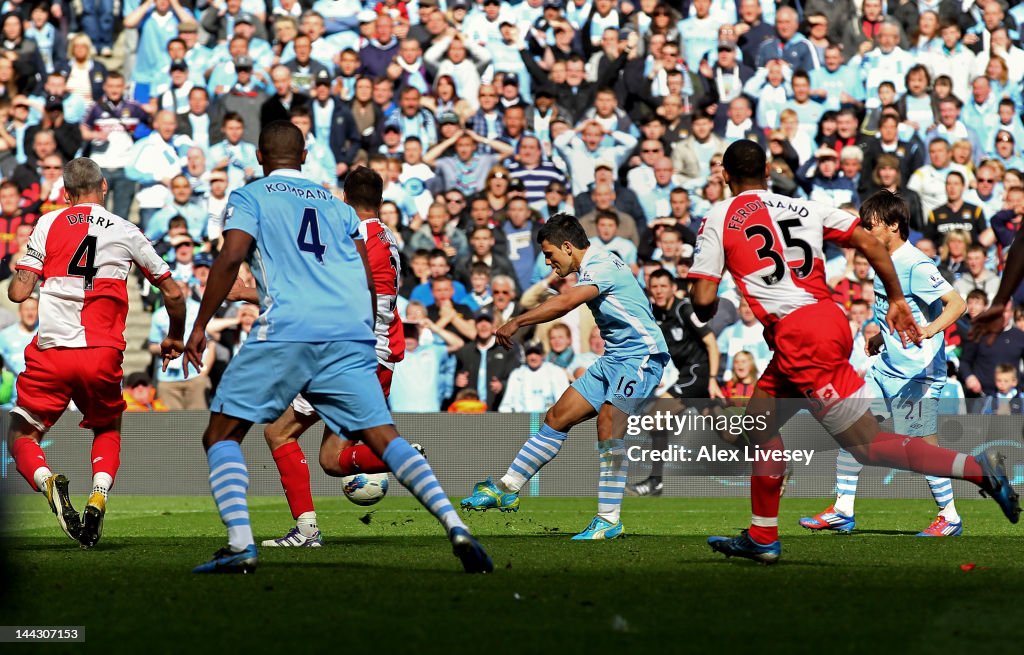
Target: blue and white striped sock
x=538 y=450
x=415 y=474
x=229 y=482
x=847 y=473
x=612 y=482
x=942 y=492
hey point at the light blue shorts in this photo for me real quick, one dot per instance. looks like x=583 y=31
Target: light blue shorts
x=914 y=404
x=339 y=378
x=627 y=383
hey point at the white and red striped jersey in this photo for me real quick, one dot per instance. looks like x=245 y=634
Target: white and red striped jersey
x=386 y=268
x=772 y=246
x=83 y=255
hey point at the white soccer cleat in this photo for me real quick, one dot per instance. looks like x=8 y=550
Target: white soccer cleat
x=295 y=539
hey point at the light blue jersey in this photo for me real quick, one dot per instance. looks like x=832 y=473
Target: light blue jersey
x=621 y=310
x=309 y=275
x=923 y=286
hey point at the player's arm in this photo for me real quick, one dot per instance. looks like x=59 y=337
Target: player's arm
x=555 y=307
x=953 y=307
x=223 y=273
x=704 y=296
x=22 y=286
x=370 y=284
x=899 y=318
x=991 y=321
x=714 y=357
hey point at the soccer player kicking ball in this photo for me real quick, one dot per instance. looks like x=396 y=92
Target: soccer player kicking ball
x=614 y=387
x=314 y=336
x=908 y=379
x=340 y=457
x=83 y=255
x=772 y=246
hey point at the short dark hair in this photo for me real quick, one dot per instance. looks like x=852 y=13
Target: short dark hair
x=437 y=252
x=886 y=208
x=978 y=294
x=745 y=160
x=661 y=272
x=563 y=227
x=956 y=174
x=282 y=141
x=232 y=116
x=608 y=214
x=363 y=189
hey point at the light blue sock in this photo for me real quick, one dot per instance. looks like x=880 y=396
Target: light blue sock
x=942 y=492
x=229 y=482
x=415 y=474
x=847 y=474
x=539 y=449
x=612 y=482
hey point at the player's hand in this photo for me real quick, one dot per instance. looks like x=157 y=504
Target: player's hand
x=874 y=345
x=901 y=322
x=194 y=349
x=988 y=324
x=714 y=391
x=170 y=350
x=504 y=334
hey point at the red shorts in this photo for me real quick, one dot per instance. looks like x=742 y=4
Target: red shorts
x=385 y=375
x=89 y=376
x=812 y=360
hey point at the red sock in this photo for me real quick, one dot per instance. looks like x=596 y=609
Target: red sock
x=291 y=464
x=765 y=484
x=360 y=459
x=912 y=454
x=106 y=453
x=28 y=458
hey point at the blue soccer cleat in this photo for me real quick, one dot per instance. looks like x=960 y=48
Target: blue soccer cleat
x=744 y=546
x=487 y=495
x=829 y=520
x=600 y=529
x=227 y=560
x=469 y=551
x=940 y=527
x=996 y=485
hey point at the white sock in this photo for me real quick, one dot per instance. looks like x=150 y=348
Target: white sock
x=101 y=483
x=240 y=536
x=949 y=512
x=844 y=504
x=40 y=477
x=306 y=523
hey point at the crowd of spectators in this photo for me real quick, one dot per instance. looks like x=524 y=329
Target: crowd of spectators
x=485 y=117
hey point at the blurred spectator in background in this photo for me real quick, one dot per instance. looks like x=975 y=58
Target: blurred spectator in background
x=534 y=386
x=140 y=394
x=483 y=366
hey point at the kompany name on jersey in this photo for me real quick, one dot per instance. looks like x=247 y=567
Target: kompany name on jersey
x=309 y=193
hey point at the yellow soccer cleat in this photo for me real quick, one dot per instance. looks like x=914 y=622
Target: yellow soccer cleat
x=92 y=520
x=56 y=489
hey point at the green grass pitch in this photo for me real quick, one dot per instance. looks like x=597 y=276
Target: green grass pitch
x=392 y=584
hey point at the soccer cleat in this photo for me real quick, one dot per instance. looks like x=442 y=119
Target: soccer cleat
x=487 y=495
x=295 y=539
x=996 y=485
x=227 y=560
x=469 y=551
x=92 y=520
x=56 y=489
x=648 y=487
x=831 y=520
x=600 y=529
x=940 y=527
x=743 y=546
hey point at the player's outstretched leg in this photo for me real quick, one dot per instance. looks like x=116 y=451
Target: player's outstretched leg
x=282 y=438
x=838 y=517
x=870 y=446
x=540 y=449
x=411 y=468
x=23 y=440
x=106 y=459
x=229 y=483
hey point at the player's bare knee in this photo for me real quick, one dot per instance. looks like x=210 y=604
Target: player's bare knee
x=555 y=420
x=329 y=461
x=275 y=438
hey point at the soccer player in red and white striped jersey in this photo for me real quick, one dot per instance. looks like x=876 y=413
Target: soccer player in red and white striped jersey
x=339 y=456
x=772 y=246
x=83 y=255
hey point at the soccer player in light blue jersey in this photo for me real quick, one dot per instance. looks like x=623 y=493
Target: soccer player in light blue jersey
x=314 y=336
x=614 y=387
x=909 y=380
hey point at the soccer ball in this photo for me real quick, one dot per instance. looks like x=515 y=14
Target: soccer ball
x=365 y=488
